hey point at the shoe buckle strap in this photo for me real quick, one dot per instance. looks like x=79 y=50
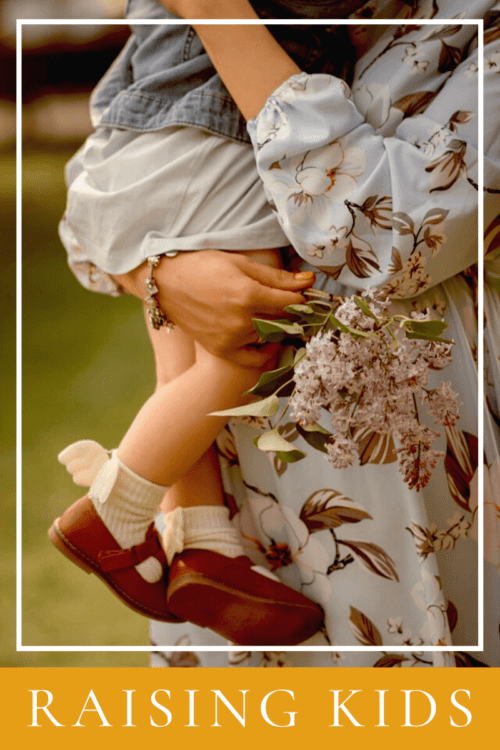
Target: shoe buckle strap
x=118 y=559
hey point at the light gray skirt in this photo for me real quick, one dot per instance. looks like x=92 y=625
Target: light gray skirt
x=132 y=195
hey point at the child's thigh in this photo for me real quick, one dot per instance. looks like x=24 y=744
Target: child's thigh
x=174 y=351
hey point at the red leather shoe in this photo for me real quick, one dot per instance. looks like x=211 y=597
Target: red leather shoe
x=247 y=608
x=84 y=539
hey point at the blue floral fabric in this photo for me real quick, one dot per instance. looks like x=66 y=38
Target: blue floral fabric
x=377 y=186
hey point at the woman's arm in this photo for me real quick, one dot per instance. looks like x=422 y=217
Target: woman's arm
x=371 y=202
x=248 y=58
x=396 y=211
x=210 y=9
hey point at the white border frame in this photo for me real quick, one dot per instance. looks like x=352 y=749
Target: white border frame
x=160 y=648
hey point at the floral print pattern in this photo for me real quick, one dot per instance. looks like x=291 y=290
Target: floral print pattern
x=386 y=199
x=274 y=537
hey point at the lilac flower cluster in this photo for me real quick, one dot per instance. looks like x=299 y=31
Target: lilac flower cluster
x=370 y=376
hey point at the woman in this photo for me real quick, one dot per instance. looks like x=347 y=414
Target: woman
x=399 y=158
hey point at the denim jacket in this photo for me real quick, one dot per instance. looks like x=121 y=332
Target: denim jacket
x=163 y=76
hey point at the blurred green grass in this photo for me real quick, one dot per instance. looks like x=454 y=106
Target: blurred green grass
x=87 y=367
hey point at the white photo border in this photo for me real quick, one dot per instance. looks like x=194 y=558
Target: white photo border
x=171 y=648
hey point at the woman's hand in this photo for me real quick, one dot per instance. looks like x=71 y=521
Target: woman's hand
x=213 y=296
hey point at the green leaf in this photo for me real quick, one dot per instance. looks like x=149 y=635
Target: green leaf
x=290 y=457
x=314 y=428
x=298 y=356
x=307 y=316
x=428 y=337
x=362 y=303
x=288 y=356
x=315 y=435
x=428 y=327
x=289 y=327
x=300 y=309
x=319 y=305
x=335 y=322
x=266 y=407
x=357 y=334
x=276 y=330
x=269 y=382
x=310 y=331
x=273 y=441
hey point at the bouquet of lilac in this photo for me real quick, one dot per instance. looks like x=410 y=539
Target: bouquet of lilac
x=368 y=368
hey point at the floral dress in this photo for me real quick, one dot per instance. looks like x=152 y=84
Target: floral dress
x=377 y=187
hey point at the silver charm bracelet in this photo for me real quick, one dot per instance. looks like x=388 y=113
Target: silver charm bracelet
x=156 y=315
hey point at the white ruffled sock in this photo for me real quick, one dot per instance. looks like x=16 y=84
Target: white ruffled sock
x=204 y=527
x=126 y=502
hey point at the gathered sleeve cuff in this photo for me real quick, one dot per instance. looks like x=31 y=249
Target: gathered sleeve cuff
x=395 y=212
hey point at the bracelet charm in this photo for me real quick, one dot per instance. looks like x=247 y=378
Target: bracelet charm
x=157 y=317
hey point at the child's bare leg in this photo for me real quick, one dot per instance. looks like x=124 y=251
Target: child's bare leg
x=202 y=483
x=171 y=439
x=173 y=429
x=171 y=434
x=205 y=519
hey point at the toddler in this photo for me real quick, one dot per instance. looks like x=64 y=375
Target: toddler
x=158 y=177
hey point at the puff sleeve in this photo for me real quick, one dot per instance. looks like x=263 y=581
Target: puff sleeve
x=380 y=188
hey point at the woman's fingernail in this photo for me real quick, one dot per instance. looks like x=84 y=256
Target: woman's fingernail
x=304 y=275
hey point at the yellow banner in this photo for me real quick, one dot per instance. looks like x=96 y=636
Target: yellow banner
x=245 y=708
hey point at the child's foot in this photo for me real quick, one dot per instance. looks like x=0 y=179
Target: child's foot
x=110 y=531
x=83 y=538
x=238 y=603
x=213 y=584
x=126 y=502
